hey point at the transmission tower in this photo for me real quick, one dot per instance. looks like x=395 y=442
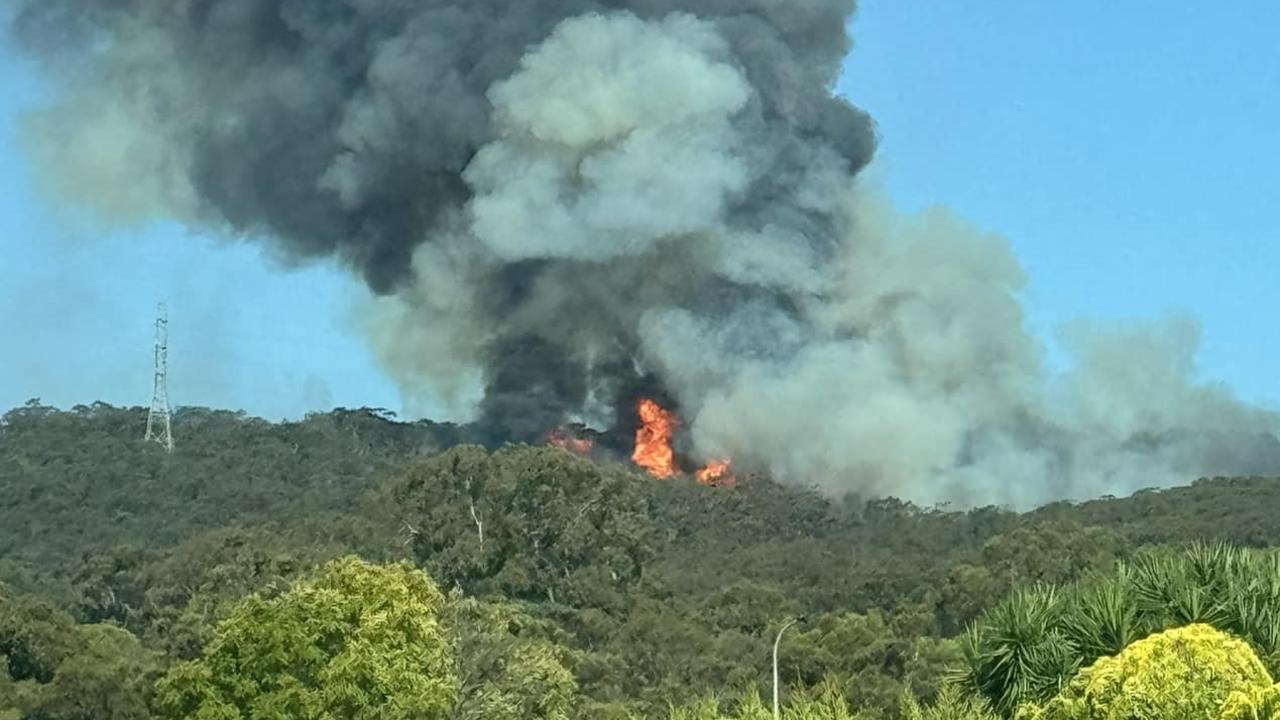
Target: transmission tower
x=158 y=420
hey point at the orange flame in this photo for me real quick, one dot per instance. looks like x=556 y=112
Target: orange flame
x=564 y=439
x=653 y=448
x=717 y=473
x=653 y=440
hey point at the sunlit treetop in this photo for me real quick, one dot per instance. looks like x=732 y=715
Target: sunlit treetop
x=1188 y=673
x=357 y=641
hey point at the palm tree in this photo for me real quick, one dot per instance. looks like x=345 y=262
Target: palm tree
x=1018 y=652
x=1105 y=618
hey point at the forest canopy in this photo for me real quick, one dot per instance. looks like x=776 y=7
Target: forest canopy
x=541 y=584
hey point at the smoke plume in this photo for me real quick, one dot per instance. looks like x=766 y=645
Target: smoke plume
x=570 y=203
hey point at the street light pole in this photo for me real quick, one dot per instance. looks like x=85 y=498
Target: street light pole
x=777 y=713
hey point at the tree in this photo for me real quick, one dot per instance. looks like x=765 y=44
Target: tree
x=356 y=641
x=650 y=593
x=528 y=523
x=1046 y=553
x=54 y=669
x=875 y=661
x=181 y=593
x=508 y=666
x=108 y=677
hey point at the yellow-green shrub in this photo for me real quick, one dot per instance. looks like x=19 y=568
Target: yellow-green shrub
x=1253 y=705
x=1189 y=673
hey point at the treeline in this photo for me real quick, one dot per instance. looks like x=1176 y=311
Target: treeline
x=120 y=560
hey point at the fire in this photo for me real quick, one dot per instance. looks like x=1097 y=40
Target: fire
x=565 y=439
x=653 y=440
x=653 y=448
x=717 y=473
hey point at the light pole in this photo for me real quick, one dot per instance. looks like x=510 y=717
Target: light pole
x=777 y=713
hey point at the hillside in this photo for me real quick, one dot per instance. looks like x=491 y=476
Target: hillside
x=657 y=591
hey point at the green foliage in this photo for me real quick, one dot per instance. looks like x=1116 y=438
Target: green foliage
x=952 y=703
x=172 y=599
x=1237 y=510
x=1187 y=673
x=1028 y=647
x=1252 y=704
x=649 y=594
x=875 y=658
x=827 y=701
x=1018 y=652
x=823 y=702
x=661 y=653
x=1052 y=553
x=109 y=676
x=508 y=665
x=81 y=481
x=1105 y=619
x=528 y=523
x=357 y=641
x=54 y=669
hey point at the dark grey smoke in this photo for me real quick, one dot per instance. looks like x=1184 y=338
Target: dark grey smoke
x=344 y=126
x=568 y=203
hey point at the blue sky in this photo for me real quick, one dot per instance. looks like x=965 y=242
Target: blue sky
x=1127 y=150
x=77 y=308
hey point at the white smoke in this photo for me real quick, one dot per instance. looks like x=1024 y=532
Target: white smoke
x=923 y=382
x=561 y=204
x=123 y=164
x=905 y=366
x=613 y=136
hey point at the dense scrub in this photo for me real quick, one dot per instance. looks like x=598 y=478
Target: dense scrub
x=648 y=593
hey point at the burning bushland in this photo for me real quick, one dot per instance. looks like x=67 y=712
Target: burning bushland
x=567 y=206
x=653 y=449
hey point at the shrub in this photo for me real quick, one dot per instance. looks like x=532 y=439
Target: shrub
x=1188 y=673
x=1028 y=648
